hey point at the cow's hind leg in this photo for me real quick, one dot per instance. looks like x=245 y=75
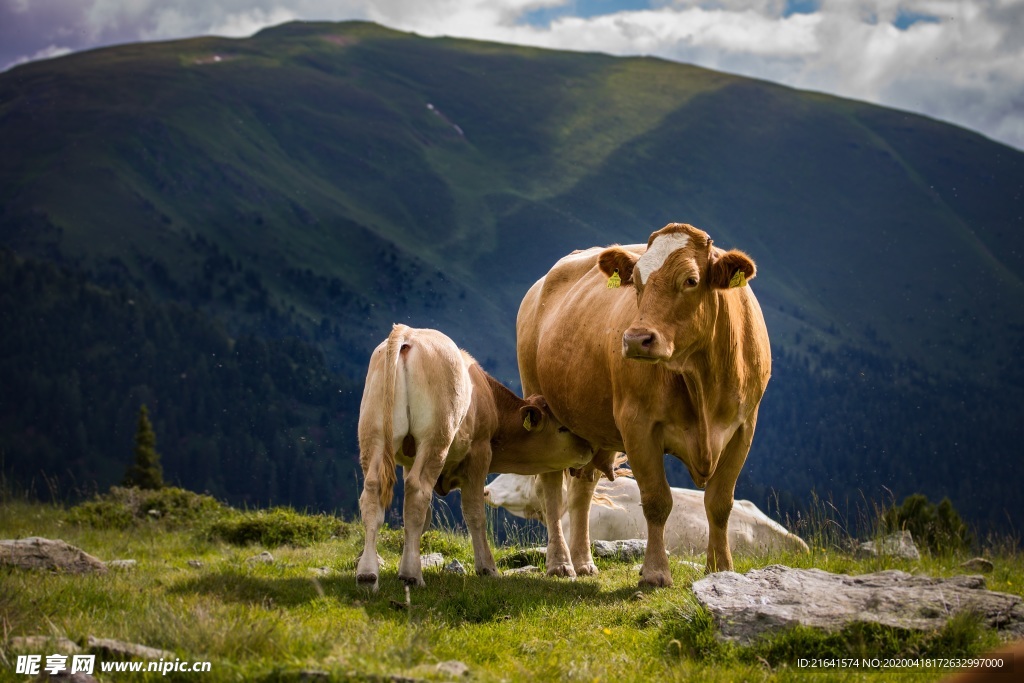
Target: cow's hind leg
x=372 y=512
x=419 y=488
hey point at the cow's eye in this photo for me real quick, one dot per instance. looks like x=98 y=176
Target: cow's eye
x=691 y=282
x=563 y=430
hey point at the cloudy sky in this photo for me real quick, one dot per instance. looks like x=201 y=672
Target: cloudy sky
x=957 y=60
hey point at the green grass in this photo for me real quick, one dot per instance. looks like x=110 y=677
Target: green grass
x=304 y=611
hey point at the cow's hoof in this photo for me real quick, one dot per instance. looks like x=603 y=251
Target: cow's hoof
x=588 y=569
x=656 y=579
x=564 y=569
x=368 y=581
x=487 y=571
x=413 y=580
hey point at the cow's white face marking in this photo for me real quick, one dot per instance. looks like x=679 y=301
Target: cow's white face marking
x=663 y=247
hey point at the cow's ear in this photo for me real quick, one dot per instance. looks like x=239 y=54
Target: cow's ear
x=615 y=261
x=730 y=269
x=533 y=417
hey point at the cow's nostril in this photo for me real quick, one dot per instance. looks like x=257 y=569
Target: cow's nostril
x=638 y=342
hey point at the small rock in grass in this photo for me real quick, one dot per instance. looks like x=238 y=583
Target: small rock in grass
x=263 y=558
x=455 y=567
x=64 y=646
x=453 y=668
x=432 y=560
x=627 y=550
x=65 y=677
x=899 y=545
x=122 y=564
x=978 y=564
x=119 y=649
x=195 y=564
x=528 y=569
x=52 y=555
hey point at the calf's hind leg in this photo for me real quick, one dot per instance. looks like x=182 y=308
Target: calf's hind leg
x=419 y=488
x=372 y=512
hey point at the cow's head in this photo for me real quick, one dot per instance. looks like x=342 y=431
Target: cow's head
x=677 y=281
x=518 y=493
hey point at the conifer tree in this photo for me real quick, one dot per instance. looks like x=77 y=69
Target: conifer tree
x=146 y=472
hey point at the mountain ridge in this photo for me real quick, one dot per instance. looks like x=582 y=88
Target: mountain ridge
x=322 y=181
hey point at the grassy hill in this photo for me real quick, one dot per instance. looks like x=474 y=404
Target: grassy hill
x=321 y=181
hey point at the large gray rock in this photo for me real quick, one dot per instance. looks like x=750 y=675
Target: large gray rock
x=51 y=555
x=746 y=606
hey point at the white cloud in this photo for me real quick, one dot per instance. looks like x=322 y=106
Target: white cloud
x=958 y=60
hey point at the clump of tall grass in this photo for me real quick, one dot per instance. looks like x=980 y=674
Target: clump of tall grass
x=275 y=527
x=936 y=527
x=122 y=508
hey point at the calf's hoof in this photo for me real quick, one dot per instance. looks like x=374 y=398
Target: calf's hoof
x=368 y=581
x=564 y=569
x=487 y=571
x=413 y=580
x=588 y=569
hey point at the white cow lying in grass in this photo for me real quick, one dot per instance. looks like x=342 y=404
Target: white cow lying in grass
x=617 y=515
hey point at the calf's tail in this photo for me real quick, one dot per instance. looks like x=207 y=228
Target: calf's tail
x=386 y=468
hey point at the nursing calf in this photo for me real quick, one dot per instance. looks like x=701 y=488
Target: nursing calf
x=616 y=514
x=431 y=408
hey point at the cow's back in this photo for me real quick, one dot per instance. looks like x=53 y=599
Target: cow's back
x=569 y=332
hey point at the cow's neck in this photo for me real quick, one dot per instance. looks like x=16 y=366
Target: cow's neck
x=710 y=374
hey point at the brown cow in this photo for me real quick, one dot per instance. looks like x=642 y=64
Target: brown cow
x=431 y=408
x=648 y=349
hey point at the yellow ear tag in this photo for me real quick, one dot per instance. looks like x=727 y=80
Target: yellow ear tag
x=738 y=280
x=614 y=280
x=527 y=423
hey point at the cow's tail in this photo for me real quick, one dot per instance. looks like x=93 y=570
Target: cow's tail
x=386 y=469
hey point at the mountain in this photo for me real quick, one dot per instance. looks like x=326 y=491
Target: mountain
x=319 y=181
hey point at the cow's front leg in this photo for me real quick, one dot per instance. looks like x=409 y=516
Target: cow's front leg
x=581 y=496
x=419 y=488
x=656 y=499
x=475 y=476
x=558 y=559
x=718 y=497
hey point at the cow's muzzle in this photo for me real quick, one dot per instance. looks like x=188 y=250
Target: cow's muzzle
x=644 y=345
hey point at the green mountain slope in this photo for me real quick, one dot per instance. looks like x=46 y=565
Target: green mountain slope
x=322 y=181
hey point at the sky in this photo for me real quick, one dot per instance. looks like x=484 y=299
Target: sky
x=960 y=61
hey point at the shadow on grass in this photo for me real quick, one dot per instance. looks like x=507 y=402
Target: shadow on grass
x=451 y=597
